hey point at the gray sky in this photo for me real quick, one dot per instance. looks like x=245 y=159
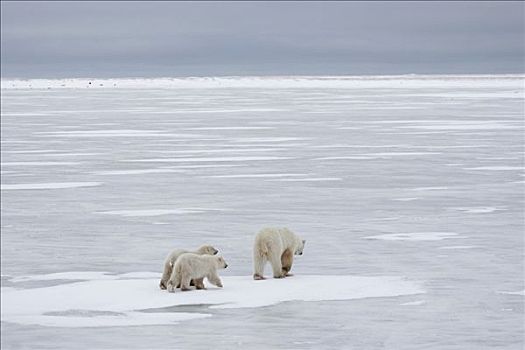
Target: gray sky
x=119 y=39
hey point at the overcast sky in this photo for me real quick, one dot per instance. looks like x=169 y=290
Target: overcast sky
x=118 y=39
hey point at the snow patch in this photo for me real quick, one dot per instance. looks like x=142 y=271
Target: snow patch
x=478 y=210
x=459 y=247
x=156 y=212
x=414 y=303
x=414 y=236
x=519 y=292
x=48 y=185
x=204 y=159
x=115 y=301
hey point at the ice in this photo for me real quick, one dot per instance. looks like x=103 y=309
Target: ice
x=240 y=176
x=155 y=212
x=48 y=186
x=311 y=179
x=348 y=158
x=433 y=165
x=114 y=300
x=431 y=188
x=497 y=168
x=414 y=303
x=414 y=236
x=37 y=163
x=459 y=247
x=232 y=128
x=521 y=292
x=204 y=159
x=479 y=210
x=136 y=171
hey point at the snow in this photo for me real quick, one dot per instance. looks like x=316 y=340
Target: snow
x=137 y=171
x=459 y=247
x=155 y=212
x=179 y=163
x=48 y=186
x=414 y=236
x=301 y=82
x=203 y=159
x=479 y=210
x=520 y=292
x=414 y=303
x=103 y=300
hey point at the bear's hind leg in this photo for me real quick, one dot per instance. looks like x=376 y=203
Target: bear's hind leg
x=258 y=266
x=286 y=262
x=275 y=260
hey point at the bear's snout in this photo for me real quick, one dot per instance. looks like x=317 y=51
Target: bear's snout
x=225 y=265
x=301 y=253
x=215 y=252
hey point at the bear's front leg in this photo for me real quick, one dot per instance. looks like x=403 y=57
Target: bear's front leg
x=185 y=282
x=215 y=280
x=199 y=283
x=286 y=262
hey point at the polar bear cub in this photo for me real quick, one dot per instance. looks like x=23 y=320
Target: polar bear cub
x=172 y=258
x=277 y=245
x=195 y=267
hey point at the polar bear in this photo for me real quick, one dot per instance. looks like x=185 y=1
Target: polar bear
x=278 y=245
x=195 y=267
x=172 y=257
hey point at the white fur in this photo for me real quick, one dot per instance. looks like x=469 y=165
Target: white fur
x=195 y=267
x=278 y=246
x=174 y=255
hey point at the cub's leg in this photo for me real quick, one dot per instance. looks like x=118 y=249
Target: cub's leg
x=199 y=283
x=214 y=279
x=174 y=281
x=287 y=261
x=185 y=279
x=166 y=275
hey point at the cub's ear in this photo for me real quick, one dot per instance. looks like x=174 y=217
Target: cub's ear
x=304 y=241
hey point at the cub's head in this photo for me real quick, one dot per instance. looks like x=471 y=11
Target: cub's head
x=221 y=263
x=207 y=249
x=300 y=247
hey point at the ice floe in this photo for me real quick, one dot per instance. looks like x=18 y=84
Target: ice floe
x=134 y=299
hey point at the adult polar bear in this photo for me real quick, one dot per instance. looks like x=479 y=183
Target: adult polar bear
x=277 y=245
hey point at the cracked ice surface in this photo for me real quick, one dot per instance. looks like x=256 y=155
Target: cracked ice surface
x=419 y=177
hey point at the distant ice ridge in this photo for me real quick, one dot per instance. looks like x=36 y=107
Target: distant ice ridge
x=132 y=299
x=512 y=81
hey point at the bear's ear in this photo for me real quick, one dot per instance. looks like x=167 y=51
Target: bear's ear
x=304 y=241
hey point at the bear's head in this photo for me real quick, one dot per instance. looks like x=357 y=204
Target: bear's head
x=207 y=249
x=300 y=247
x=221 y=263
